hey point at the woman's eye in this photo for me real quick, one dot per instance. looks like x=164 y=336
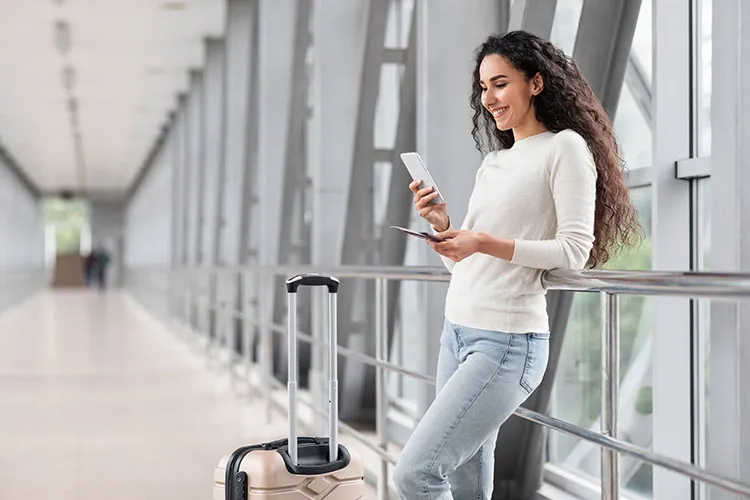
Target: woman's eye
x=484 y=89
x=500 y=85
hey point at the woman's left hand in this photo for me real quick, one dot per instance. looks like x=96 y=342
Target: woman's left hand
x=458 y=244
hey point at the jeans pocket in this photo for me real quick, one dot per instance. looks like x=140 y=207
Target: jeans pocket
x=537 y=354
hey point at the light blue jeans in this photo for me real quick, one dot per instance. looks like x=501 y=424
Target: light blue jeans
x=482 y=377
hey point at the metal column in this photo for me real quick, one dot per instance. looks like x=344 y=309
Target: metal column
x=339 y=41
x=610 y=393
x=237 y=81
x=235 y=189
x=278 y=228
x=535 y=16
x=602 y=49
x=729 y=365
x=672 y=394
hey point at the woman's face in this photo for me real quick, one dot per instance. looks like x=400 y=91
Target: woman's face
x=506 y=93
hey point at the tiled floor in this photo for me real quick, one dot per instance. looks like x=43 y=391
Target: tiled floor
x=99 y=401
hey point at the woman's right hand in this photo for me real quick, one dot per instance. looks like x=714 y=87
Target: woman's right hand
x=436 y=215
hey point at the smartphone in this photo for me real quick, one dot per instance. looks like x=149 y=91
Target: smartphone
x=419 y=234
x=417 y=170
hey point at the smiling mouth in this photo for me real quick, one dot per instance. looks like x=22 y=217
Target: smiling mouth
x=498 y=112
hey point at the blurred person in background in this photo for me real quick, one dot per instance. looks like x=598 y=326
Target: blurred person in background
x=101 y=263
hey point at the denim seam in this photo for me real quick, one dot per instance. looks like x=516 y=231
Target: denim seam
x=526 y=367
x=480 y=481
x=459 y=342
x=463 y=414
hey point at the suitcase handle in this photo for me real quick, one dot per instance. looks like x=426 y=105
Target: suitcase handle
x=292 y=285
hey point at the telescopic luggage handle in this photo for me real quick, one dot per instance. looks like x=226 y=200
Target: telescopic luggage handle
x=293 y=283
x=292 y=286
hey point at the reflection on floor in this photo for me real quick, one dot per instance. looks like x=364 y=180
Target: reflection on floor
x=99 y=401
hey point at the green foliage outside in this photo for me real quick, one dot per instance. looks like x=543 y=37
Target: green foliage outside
x=582 y=353
x=69 y=218
x=578 y=385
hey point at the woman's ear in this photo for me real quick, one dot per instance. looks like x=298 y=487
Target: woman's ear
x=537 y=84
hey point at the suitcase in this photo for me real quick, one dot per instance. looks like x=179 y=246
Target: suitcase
x=294 y=468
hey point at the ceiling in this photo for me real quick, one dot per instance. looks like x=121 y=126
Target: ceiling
x=87 y=85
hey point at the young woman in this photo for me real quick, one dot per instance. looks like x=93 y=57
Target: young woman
x=550 y=194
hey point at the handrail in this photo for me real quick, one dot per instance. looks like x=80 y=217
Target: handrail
x=696 y=284
x=673 y=283
x=609 y=283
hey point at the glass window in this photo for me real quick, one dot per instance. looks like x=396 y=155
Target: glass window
x=633 y=131
x=69 y=218
x=703 y=48
x=641 y=51
x=577 y=395
x=632 y=123
x=565 y=24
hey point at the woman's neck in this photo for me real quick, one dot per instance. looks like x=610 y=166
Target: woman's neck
x=528 y=128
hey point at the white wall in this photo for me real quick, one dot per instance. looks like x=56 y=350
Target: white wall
x=148 y=217
x=21 y=239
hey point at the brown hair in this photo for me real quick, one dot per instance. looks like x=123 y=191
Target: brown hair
x=566 y=102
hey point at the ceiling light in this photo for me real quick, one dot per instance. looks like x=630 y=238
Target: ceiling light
x=62 y=36
x=156 y=70
x=174 y=5
x=68 y=77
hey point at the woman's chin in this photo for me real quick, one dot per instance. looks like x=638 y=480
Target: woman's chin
x=502 y=125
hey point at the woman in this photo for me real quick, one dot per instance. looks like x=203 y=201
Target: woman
x=550 y=194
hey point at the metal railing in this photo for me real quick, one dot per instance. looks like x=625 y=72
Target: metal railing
x=610 y=284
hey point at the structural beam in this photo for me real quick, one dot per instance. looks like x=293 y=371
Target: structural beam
x=186 y=167
x=181 y=178
x=239 y=37
x=148 y=163
x=399 y=205
x=671 y=240
x=248 y=251
x=602 y=49
x=283 y=41
x=16 y=169
x=444 y=69
x=359 y=245
x=213 y=112
x=339 y=40
x=197 y=170
x=535 y=16
x=729 y=362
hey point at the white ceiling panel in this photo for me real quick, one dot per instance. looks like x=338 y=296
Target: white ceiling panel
x=127 y=61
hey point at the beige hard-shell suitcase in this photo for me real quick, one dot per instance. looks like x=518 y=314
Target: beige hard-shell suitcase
x=297 y=468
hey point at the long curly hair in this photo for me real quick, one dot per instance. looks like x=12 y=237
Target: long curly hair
x=565 y=102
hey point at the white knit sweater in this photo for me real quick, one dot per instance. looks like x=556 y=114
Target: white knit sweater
x=541 y=193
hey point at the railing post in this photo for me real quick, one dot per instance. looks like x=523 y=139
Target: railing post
x=191 y=309
x=610 y=392
x=381 y=394
x=212 y=305
x=248 y=323
x=265 y=316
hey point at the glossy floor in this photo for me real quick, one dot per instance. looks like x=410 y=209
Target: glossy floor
x=99 y=401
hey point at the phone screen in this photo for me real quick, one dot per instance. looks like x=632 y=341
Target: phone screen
x=418 y=170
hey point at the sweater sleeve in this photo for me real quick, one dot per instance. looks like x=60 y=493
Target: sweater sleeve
x=573 y=184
